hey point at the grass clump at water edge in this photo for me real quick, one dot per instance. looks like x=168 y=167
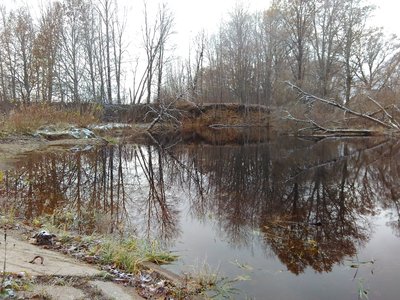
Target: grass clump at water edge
x=124 y=253
x=121 y=252
x=128 y=254
x=208 y=282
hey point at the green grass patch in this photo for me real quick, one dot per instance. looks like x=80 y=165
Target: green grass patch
x=128 y=254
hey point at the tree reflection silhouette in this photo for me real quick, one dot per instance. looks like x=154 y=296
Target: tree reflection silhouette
x=306 y=201
x=258 y=187
x=160 y=211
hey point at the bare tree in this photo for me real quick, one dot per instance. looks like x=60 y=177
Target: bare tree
x=354 y=18
x=237 y=40
x=326 y=42
x=3 y=83
x=8 y=81
x=72 y=58
x=154 y=38
x=273 y=55
x=297 y=16
x=107 y=14
x=166 y=20
x=377 y=59
x=118 y=29
x=46 y=48
x=92 y=45
x=151 y=47
x=195 y=69
x=24 y=36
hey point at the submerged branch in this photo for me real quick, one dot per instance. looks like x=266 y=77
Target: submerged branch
x=216 y=126
x=334 y=131
x=339 y=159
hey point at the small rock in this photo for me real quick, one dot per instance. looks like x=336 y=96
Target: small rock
x=90 y=259
x=10 y=293
x=72 y=249
x=145 y=278
x=44 y=238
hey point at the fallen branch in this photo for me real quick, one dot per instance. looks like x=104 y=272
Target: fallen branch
x=36 y=257
x=216 y=126
x=308 y=97
x=165 y=113
x=392 y=120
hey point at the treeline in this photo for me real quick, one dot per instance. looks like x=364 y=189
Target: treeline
x=327 y=47
x=59 y=57
x=76 y=51
x=79 y=51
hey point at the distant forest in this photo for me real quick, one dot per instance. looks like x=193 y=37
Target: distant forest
x=76 y=51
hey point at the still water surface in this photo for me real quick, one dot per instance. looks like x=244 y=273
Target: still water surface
x=290 y=218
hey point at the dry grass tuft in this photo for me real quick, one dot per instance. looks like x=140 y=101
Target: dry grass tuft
x=28 y=118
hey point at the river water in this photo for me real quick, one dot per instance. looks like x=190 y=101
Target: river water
x=285 y=218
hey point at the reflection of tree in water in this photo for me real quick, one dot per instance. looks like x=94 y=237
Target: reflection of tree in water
x=385 y=177
x=76 y=187
x=277 y=192
x=288 y=191
x=94 y=189
x=318 y=222
x=159 y=210
x=322 y=218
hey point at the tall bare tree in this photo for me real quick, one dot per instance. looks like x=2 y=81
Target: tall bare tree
x=297 y=16
x=155 y=36
x=237 y=40
x=118 y=30
x=24 y=36
x=326 y=43
x=166 y=22
x=92 y=46
x=72 y=59
x=107 y=14
x=273 y=55
x=355 y=14
x=46 y=48
x=377 y=59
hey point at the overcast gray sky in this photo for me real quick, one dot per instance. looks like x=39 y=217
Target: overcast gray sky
x=193 y=15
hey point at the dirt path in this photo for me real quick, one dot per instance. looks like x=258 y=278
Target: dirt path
x=66 y=278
